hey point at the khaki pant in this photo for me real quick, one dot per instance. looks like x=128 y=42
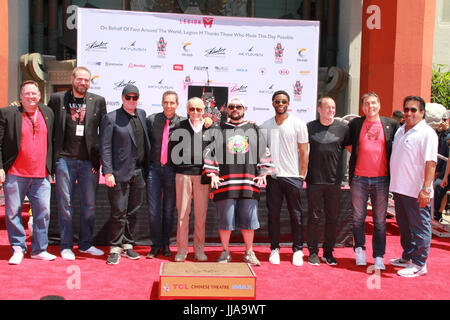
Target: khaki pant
x=189 y=187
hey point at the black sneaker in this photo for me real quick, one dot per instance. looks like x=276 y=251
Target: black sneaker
x=314 y=259
x=131 y=254
x=329 y=259
x=113 y=258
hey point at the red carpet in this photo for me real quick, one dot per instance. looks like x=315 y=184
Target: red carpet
x=90 y=278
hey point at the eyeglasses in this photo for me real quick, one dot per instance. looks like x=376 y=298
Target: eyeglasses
x=134 y=98
x=280 y=101
x=192 y=109
x=413 y=110
x=238 y=107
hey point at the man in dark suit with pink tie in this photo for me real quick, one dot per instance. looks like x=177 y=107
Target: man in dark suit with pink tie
x=161 y=177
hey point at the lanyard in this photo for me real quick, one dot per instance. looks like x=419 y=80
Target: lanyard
x=32 y=122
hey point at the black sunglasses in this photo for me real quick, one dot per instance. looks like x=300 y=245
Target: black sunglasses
x=238 y=107
x=134 y=98
x=413 y=110
x=280 y=101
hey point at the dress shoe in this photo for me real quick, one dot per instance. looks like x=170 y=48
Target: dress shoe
x=153 y=253
x=167 y=252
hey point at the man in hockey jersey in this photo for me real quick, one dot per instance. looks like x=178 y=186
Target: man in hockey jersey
x=237 y=162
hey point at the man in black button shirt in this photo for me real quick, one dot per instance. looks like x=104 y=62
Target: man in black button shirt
x=161 y=177
x=76 y=152
x=124 y=152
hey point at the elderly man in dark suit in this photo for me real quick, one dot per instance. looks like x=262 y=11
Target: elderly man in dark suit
x=26 y=134
x=77 y=118
x=124 y=150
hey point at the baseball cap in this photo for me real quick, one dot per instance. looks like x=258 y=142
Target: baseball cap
x=130 y=88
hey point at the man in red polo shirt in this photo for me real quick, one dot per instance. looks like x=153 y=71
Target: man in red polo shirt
x=25 y=164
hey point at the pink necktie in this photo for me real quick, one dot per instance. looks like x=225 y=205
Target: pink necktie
x=165 y=143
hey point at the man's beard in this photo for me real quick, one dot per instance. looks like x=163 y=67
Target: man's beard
x=236 y=117
x=80 y=90
x=283 y=111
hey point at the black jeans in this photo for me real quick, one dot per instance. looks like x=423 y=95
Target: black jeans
x=276 y=190
x=126 y=199
x=327 y=197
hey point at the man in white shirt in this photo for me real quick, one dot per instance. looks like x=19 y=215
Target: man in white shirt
x=287 y=138
x=413 y=163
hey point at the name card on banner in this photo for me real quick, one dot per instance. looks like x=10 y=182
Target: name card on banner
x=157 y=52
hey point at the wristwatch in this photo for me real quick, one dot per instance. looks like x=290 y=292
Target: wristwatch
x=426 y=189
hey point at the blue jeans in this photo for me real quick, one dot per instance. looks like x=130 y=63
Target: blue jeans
x=415 y=228
x=38 y=192
x=378 y=190
x=276 y=191
x=161 y=184
x=68 y=173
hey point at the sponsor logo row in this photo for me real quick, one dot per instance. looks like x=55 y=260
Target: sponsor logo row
x=240 y=89
x=262 y=71
x=186 y=49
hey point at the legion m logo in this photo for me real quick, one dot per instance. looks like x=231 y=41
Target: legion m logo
x=208 y=22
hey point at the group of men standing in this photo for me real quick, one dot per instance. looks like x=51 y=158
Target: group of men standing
x=174 y=160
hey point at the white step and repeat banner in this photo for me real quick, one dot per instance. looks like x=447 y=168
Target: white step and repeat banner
x=211 y=56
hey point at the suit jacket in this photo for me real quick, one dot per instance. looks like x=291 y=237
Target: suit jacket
x=118 y=148
x=11 y=134
x=390 y=126
x=95 y=110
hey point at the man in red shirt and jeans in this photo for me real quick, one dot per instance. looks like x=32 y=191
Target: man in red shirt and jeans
x=26 y=134
x=371 y=137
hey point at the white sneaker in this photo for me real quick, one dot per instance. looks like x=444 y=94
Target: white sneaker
x=297 y=258
x=413 y=270
x=67 y=254
x=17 y=255
x=379 y=265
x=360 y=257
x=274 y=256
x=93 y=251
x=44 y=256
